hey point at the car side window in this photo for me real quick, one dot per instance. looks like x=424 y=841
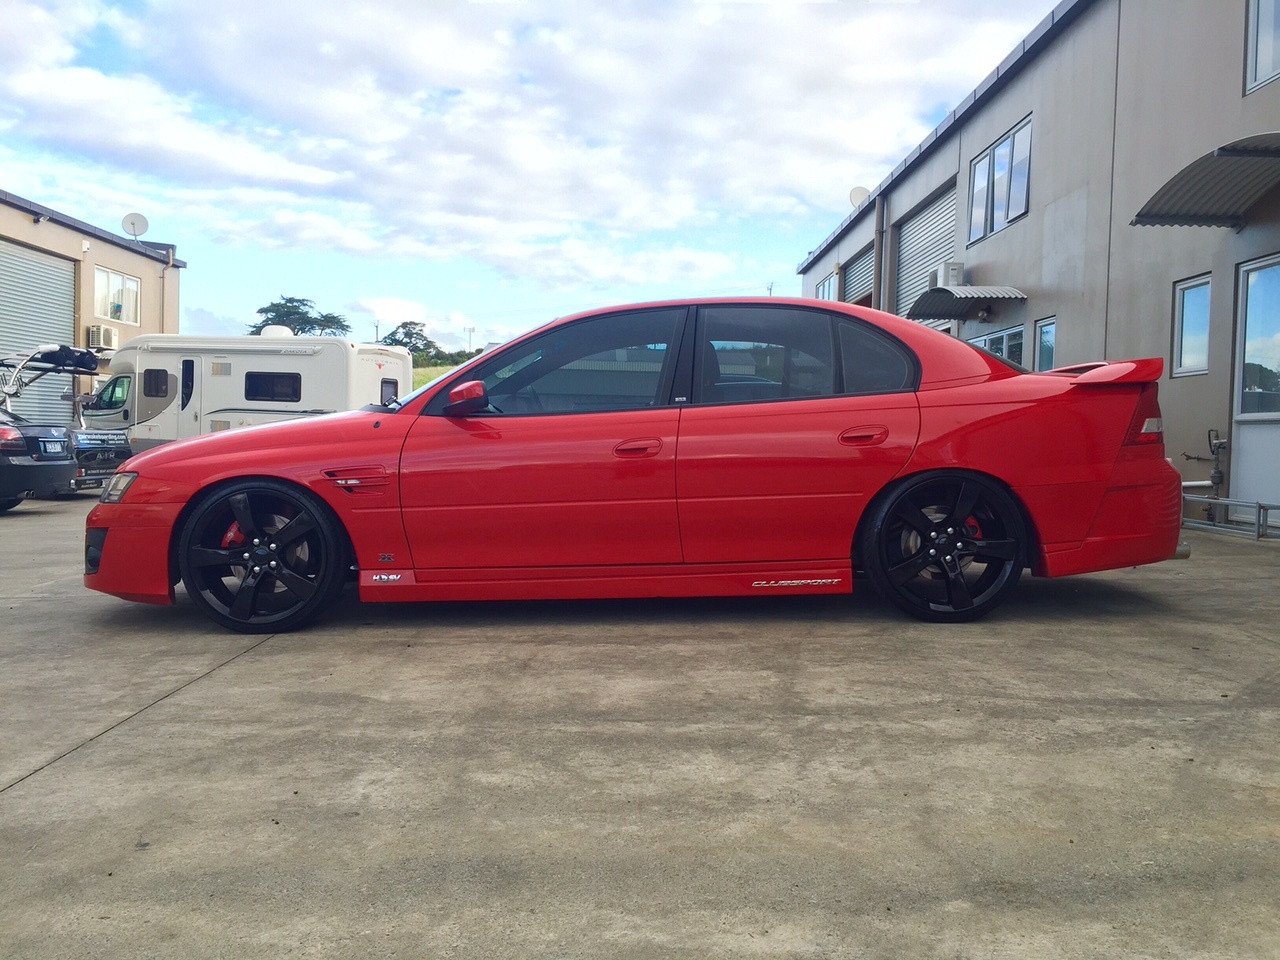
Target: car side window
x=115 y=394
x=615 y=362
x=748 y=353
x=872 y=363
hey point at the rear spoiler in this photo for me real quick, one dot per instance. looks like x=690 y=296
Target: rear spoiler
x=1115 y=371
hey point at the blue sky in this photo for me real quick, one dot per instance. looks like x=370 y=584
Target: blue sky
x=480 y=167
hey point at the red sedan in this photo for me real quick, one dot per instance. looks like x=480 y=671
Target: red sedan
x=694 y=448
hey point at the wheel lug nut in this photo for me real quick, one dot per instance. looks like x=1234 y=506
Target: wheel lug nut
x=246 y=556
x=933 y=553
x=256 y=541
x=272 y=547
x=272 y=564
x=257 y=569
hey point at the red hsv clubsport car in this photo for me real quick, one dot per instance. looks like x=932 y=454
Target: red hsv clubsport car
x=700 y=448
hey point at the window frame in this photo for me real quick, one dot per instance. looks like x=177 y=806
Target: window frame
x=103 y=297
x=984 y=343
x=1180 y=289
x=1037 y=360
x=826 y=288
x=1253 y=34
x=1017 y=170
x=1242 y=335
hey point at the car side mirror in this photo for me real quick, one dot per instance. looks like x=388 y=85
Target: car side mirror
x=467 y=398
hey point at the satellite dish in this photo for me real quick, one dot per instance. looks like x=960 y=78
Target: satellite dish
x=858 y=196
x=135 y=225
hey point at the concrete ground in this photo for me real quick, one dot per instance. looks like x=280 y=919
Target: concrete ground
x=1093 y=771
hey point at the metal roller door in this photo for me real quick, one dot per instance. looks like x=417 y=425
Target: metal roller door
x=924 y=241
x=37 y=305
x=859 y=276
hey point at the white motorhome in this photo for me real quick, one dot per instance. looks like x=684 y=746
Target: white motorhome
x=167 y=386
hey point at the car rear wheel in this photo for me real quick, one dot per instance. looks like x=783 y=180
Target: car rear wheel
x=261 y=556
x=9 y=504
x=946 y=547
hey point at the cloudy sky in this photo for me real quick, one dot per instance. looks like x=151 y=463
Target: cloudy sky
x=469 y=164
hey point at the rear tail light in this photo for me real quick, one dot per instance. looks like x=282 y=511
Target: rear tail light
x=1147 y=426
x=11 y=440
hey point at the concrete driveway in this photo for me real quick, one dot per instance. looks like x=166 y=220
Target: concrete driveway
x=1091 y=772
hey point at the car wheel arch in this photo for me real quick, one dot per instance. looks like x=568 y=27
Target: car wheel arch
x=1032 y=546
x=214 y=489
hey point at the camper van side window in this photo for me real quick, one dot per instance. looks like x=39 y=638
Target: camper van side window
x=188 y=381
x=155 y=383
x=273 y=387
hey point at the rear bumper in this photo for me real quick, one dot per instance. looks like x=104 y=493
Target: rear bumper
x=1138 y=521
x=20 y=476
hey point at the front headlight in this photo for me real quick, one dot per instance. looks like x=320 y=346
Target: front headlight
x=114 y=491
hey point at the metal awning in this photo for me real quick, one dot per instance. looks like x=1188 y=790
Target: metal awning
x=957 y=301
x=1218 y=189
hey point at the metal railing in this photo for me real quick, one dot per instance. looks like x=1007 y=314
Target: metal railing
x=1223 y=515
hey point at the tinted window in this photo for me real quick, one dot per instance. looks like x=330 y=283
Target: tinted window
x=607 y=363
x=872 y=363
x=155 y=383
x=273 y=387
x=763 y=353
x=188 y=381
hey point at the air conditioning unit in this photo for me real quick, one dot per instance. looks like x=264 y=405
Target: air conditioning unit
x=102 y=337
x=948 y=274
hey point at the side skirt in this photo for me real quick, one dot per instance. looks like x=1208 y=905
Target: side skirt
x=604 y=583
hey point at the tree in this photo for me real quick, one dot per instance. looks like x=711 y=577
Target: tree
x=413 y=336
x=300 y=316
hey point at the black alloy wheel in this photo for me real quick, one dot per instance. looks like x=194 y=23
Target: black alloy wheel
x=946 y=547
x=262 y=556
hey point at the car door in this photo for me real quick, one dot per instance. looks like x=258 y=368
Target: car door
x=571 y=465
x=798 y=418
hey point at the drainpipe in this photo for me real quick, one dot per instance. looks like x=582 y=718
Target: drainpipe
x=877 y=255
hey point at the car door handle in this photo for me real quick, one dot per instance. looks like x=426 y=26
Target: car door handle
x=635 y=449
x=868 y=436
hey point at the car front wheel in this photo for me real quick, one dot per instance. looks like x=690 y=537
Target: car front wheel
x=946 y=547
x=261 y=556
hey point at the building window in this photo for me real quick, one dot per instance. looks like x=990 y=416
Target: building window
x=1260 y=350
x=826 y=289
x=1000 y=181
x=1264 y=42
x=1004 y=343
x=1191 y=327
x=1046 y=340
x=115 y=296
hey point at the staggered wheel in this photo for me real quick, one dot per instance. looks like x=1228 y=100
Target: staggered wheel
x=261 y=556
x=946 y=547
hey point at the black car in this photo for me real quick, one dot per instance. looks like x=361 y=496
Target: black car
x=36 y=459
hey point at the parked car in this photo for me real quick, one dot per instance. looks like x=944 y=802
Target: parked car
x=35 y=460
x=692 y=448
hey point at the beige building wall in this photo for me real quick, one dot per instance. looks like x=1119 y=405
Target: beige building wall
x=1122 y=97
x=87 y=247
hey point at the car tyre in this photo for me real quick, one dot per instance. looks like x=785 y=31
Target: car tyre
x=6 y=505
x=946 y=547
x=262 y=556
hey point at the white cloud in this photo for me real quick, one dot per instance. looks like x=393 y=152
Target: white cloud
x=548 y=138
